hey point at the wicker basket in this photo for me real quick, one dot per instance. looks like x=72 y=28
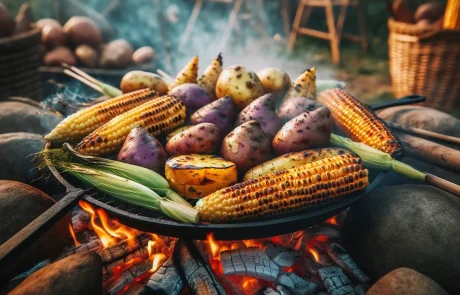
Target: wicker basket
x=427 y=62
x=20 y=58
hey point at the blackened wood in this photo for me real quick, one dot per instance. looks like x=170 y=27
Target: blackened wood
x=196 y=271
x=344 y=260
x=164 y=281
x=127 y=277
x=123 y=248
x=94 y=245
x=107 y=270
x=336 y=281
x=38 y=226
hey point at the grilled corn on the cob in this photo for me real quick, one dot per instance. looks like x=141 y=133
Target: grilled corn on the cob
x=304 y=187
x=159 y=116
x=78 y=125
x=359 y=122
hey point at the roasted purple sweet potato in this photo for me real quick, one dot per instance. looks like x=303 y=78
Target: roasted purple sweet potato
x=193 y=96
x=295 y=106
x=198 y=139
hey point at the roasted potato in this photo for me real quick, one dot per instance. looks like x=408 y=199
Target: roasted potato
x=262 y=110
x=143 y=55
x=116 y=54
x=52 y=36
x=246 y=146
x=241 y=84
x=193 y=96
x=221 y=112
x=142 y=149
x=177 y=131
x=189 y=74
x=304 y=85
x=86 y=55
x=58 y=56
x=291 y=160
x=208 y=79
x=274 y=80
x=136 y=80
x=47 y=21
x=196 y=176
x=198 y=139
x=306 y=131
x=82 y=30
x=294 y=106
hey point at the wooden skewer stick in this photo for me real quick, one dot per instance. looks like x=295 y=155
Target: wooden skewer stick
x=82 y=73
x=83 y=80
x=165 y=76
x=426 y=133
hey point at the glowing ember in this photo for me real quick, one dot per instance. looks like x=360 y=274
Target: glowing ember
x=314 y=253
x=251 y=285
x=332 y=220
x=72 y=233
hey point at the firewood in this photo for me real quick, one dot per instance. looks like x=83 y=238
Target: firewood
x=431 y=152
x=165 y=280
x=107 y=270
x=344 y=260
x=91 y=246
x=127 y=277
x=123 y=248
x=336 y=281
x=196 y=270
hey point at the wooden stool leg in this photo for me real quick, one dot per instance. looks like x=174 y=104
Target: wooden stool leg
x=333 y=37
x=190 y=23
x=362 y=25
x=341 y=19
x=231 y=22
x=284 y=6
x=295 y=26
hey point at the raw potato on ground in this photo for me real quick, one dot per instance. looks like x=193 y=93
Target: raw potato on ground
x=189 y=73
x=143 y=55
x=304 y=85
x=193 y=96
x=221 y=112
x=116 y=54
x=274 y=80
x=52 y=36
x=246 y=146
x=86 y=55
x=262 y=110
x=198 y=139
x=142 y=149
x=294 y=106
x=241 y=84
x=292 y=160
x=208 y=79
x=82 y=30
x=306 y=131
x=47 y=21
x=136 y=80
x=195 y=176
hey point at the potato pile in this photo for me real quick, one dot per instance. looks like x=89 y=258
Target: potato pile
x=233 y=124
x=429 y=15
x=79 y=41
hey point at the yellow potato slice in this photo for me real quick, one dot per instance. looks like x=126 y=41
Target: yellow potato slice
x=195 y=169
x=192 y=191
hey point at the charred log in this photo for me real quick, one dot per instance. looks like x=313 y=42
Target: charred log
x=336 y=281
x=94 y=245
x=344 y=260
x=127 y=277
x=123 y=248
x=107 y=270
x=280 y=255
x=165 y=280
x=251 y=262
x=195 y=269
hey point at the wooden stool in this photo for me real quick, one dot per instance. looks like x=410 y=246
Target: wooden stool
x=233 y=20
x=334 y=33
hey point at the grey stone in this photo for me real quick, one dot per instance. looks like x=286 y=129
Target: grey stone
x=73 y=275
x=415 y=226
x=406 y=281
x=19 y=205
x=22 y=117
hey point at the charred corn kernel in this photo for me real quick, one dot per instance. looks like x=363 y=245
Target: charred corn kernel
x=452 y=15
x=78 y=125
x=189 y=73
x=208 y=80
x=275 y=194
x=359 y=122
x=303 y=86
x=159 y=116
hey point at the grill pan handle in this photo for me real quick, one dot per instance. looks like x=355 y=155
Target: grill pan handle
x=405 y=100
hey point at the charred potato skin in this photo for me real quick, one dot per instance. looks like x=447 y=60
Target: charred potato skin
x=136 y=80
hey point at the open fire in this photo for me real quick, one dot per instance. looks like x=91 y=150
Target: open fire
x=309 y=261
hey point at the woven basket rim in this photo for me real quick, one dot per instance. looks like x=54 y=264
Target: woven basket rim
x=21 y=41
x=419 y=32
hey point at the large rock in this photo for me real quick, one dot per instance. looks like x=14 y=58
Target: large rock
x=424 y=118
x=415 y=226
x=73 y=275
x=22 y=117
x=19 y=205
x=406 y=281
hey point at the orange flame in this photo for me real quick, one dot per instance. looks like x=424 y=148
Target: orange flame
x=314 y=253
x=158 y=260
x=213 y=245
x=106 y=239
x=251 y=285
x=72 y=233
x=332 y=220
